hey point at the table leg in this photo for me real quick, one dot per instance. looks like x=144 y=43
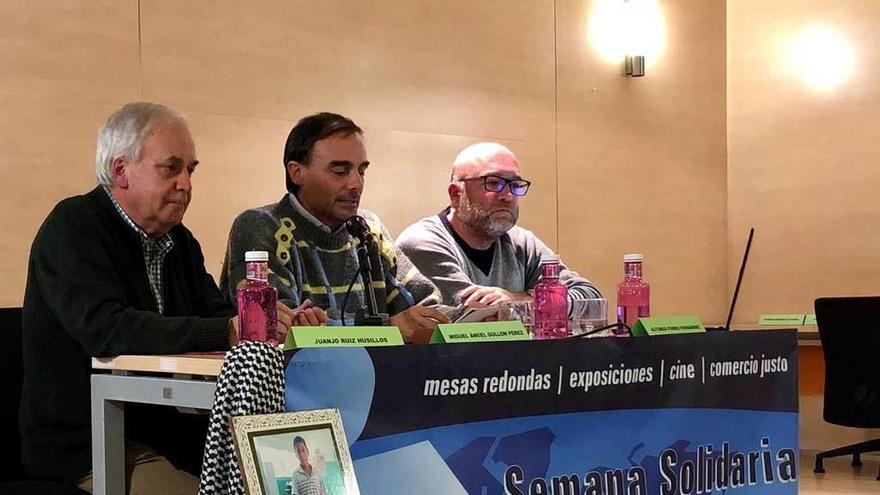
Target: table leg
x=108 y=440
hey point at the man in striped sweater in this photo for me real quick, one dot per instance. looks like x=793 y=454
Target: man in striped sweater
x=306 y=480
x=312 y=258
x=473 y=250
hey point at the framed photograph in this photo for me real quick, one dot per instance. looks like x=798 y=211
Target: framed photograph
x=296 y=453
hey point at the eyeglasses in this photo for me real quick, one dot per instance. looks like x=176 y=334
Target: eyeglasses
x=496 y=184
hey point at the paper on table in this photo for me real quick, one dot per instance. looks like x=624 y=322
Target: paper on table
x=473 y=315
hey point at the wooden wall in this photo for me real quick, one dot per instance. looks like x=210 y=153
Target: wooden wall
x=618 y=164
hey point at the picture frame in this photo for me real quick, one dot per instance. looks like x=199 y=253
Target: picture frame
x=271 y=450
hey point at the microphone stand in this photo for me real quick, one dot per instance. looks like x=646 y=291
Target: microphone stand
x=368 y=315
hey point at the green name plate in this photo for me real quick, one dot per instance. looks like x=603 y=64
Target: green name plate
x=492 y=331
x=300 y=337
x=667 y=325
x=810 y=320
x=782 y=319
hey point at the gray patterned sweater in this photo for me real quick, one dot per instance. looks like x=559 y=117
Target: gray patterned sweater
x=516 y=263
x=308 y=261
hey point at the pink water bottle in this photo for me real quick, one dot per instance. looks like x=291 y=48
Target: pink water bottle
x=257 y=312
x=551 y=303
x=633 y=294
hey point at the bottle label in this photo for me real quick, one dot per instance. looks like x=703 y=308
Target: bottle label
x=632 y=269
x=549 y=270
x=258 y=271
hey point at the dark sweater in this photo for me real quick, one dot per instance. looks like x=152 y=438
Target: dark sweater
x=88 y=295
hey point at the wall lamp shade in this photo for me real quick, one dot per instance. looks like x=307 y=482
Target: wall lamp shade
x=632 y=31
x=822 y=56
x=634 y=65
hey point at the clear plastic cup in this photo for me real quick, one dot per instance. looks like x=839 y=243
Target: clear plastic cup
x=524 y=312
x=586 y=315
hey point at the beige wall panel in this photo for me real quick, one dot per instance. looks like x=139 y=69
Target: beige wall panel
x=239 y=168
x=82 y=50
x=642 y=161
x=409 y=175
x=65 y=66
x=424 y=79
x=455 y=67
x=802 y=162
x=48 y=150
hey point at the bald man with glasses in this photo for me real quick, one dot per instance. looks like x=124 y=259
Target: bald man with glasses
x=473 y=250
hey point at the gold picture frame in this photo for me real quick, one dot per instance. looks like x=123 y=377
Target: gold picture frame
x=271 y=447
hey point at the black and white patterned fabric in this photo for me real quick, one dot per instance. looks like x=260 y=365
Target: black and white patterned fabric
x=251 y=381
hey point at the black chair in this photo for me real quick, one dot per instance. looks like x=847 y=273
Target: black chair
x=849 y=328
x=12 y=476
x=10 y=390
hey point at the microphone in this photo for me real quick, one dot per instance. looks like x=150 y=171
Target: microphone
x=357 y=227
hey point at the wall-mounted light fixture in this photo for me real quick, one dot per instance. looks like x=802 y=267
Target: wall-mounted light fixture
x=634 y=62
x=634 y=65
x=822 y=56
x=628 y=30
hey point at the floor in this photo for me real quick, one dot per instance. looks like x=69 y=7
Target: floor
x=839 y=476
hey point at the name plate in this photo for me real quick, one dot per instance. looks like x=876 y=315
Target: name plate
x=667 y=325
x=491 y=331
x=810 y=320
x=782 y=319
x=300 y=337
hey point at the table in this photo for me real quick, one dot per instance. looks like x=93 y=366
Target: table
x=480 y=417
x=808 y=335
x=178 y=380
x=182 y=382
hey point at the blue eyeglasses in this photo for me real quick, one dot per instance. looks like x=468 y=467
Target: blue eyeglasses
x=496 y=184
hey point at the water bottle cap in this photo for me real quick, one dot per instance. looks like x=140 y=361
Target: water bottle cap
x=628 y=258
x=256 y=256
x=549 y=259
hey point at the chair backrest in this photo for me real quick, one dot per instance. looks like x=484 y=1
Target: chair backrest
x=849 y=328
x=38 y=487
x=10 y=391
x=12 y=477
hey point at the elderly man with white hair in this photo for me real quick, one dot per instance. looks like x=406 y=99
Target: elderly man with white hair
x=114 y=271
x=473 y=250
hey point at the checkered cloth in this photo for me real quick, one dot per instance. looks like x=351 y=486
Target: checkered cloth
x=251 y=381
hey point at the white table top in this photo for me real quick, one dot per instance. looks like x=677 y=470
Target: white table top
x=206 y=364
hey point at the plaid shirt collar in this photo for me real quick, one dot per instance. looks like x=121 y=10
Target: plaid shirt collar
x=155 y=250
x=128 y=219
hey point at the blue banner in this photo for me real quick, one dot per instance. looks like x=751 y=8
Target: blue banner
x=705 y=413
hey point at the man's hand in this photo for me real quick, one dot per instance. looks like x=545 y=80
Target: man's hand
x=417 y=323
x=480 y=296
x=308 y=315
x=285 y=321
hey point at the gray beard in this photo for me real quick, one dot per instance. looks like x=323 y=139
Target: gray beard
x=480 y=220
